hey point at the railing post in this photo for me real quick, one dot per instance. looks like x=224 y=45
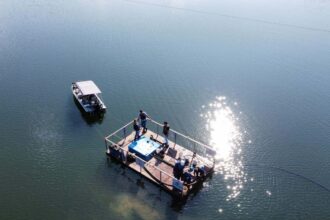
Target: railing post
x=157 y=130
x=174 y=140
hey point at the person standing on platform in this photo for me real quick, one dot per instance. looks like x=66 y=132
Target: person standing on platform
x=166 y=131
x=136 y=129
x=143 y=120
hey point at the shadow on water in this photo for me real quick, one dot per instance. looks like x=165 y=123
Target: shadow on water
x=89 y=118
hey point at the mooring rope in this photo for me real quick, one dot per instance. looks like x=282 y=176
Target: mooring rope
x=256 y=20
x=291 y=173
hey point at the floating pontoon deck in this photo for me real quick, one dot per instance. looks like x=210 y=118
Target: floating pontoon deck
x=173 y=167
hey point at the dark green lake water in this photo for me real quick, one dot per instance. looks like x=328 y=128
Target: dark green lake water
x=250 y=78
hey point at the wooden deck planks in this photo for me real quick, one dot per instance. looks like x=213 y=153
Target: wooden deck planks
x=166 y=164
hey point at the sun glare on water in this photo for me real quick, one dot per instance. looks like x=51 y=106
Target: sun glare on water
x=227 y=138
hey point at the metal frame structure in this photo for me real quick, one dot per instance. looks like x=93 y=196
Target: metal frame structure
x=204 y=152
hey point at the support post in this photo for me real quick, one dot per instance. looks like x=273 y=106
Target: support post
x=124 y=130
x=157 y=131
x=174 y=140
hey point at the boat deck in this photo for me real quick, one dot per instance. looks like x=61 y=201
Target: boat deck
x=155 y=164
x=87 y=95
x=159 y=169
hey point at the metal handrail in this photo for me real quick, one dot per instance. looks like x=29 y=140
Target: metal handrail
x=209 y=148
x=187 y=137
x=113 y=133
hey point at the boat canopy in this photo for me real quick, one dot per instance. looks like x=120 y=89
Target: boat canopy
x=88 y=87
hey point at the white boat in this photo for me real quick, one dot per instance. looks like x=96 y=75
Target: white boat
x=88 y=95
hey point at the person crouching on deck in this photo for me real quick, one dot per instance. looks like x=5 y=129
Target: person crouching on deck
x=136 y=129
x=166 y=131
x=143 y=123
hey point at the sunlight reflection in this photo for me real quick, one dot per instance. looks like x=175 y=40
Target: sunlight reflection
x=226 y=137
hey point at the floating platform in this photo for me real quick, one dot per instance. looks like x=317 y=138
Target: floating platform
x=173 y=167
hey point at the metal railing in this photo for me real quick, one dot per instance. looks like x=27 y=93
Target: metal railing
x=174 y=136
x=161 y=173
x=119 y=138
x=186 y=141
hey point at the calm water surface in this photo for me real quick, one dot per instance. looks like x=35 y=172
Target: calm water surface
x=249 y=78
